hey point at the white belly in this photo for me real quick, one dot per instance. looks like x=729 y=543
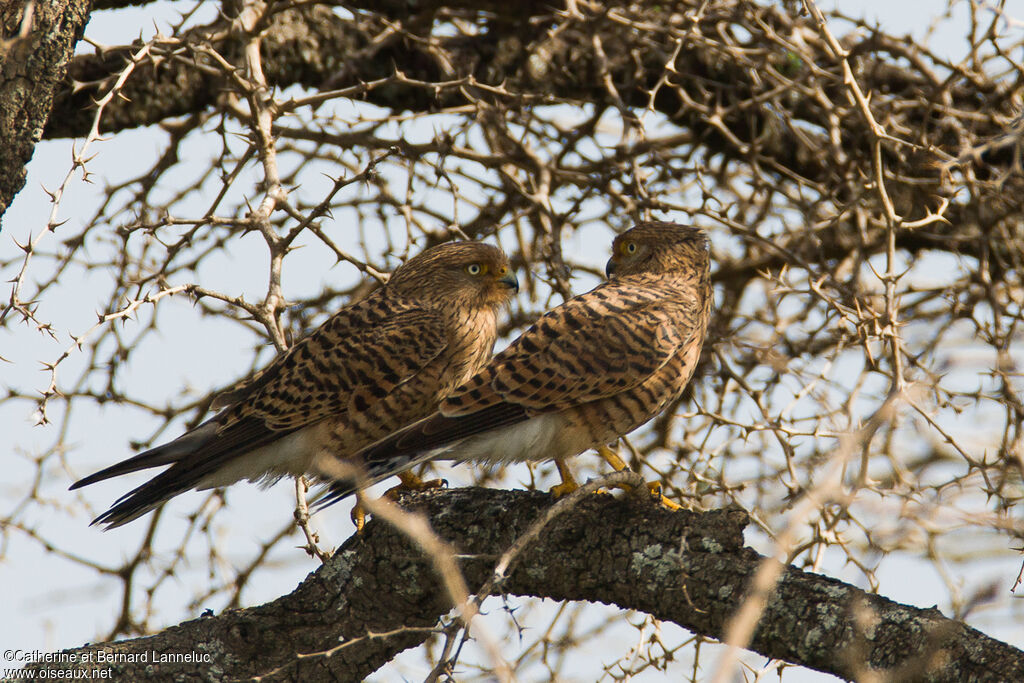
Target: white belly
x=290 y=455
x=540 y=438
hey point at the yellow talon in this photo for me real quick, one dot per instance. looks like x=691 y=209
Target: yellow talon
x=612 y=458
x=358 y=513
x=409 y=482
x=655 y=488
x=563 y=489
x=568 y=484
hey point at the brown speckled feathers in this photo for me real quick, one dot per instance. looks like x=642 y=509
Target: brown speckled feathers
x=373 y=367
x=588 y=372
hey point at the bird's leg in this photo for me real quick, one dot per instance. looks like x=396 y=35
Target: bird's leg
x=410 y=482
x=618 y=464
x=568 y=484
x=612 y=458
x=358 y=513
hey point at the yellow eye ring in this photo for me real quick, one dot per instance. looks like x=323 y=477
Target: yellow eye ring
x=474 y=269
x=629 y=248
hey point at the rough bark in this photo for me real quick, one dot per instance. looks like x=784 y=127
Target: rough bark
x=688 y=568
x=34 y=55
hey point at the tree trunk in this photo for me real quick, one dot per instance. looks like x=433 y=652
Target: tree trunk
x=34 y=55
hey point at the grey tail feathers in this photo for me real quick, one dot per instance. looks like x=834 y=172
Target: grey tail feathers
x=193 y=457
x=181 y=476
x=421 y=441
x=144 y=498
x=166 y=454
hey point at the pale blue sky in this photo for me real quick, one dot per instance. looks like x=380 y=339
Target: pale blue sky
x=38 y=616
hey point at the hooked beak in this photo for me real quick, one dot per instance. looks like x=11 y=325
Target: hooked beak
x=510 y=281
x=609 y=268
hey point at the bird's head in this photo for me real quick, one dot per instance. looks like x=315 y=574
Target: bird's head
x=656 y=247
x=472 y=272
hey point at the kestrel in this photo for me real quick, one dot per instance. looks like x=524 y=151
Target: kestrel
x=586 y=373
x=371 y=368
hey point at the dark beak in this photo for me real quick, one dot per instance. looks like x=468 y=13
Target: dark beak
x=510 y=281
x=609 y=268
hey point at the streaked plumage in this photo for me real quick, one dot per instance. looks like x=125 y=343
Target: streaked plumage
x=589 y=371
x=373 y=367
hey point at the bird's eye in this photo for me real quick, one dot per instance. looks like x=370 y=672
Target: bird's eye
x=474 y=269
x=629 y=248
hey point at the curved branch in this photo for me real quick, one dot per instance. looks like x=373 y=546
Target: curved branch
x=379 y=595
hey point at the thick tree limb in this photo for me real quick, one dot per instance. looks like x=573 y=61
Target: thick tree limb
x=34 y=54
x=379 y=596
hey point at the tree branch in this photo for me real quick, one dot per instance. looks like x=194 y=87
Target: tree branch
x=707 y=84
x=37 y=41
x=378 y=596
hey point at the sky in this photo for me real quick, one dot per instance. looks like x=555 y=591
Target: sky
x=40 y=616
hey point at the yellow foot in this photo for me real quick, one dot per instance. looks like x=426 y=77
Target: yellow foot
x=612 y=458
x=563 y=489
x=410 y=482
x=655 y=488
x=358 y=514
x=568 y=484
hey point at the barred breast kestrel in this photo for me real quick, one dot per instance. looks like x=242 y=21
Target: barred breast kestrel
x=589 y=371
x=373 y=367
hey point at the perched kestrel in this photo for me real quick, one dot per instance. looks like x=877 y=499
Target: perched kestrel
x=373 y=367
x=589 y=371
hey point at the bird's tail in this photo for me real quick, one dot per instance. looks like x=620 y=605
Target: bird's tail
x=432 y=437
x=149 y=496
x=166 y=454
x=185 y=472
